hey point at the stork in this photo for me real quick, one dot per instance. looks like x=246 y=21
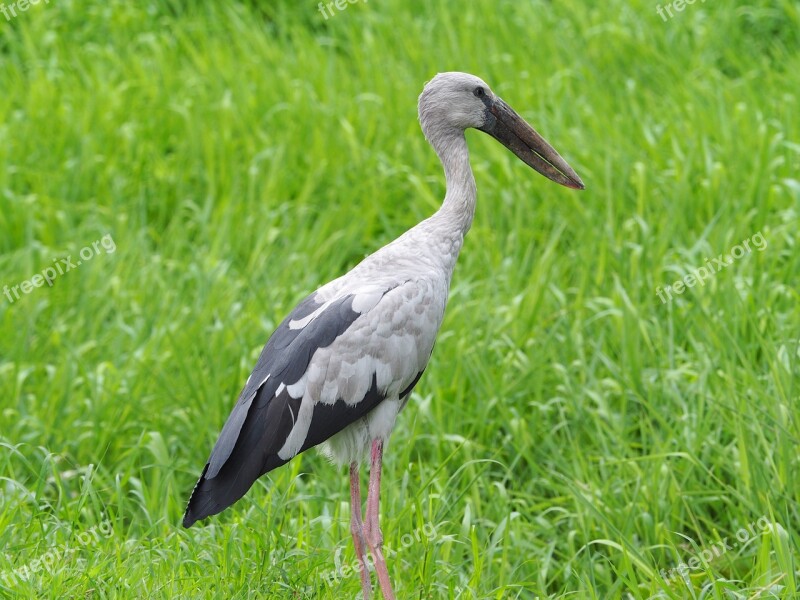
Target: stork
x=341 y=366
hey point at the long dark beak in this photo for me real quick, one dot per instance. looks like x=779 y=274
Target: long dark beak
x=507 y=127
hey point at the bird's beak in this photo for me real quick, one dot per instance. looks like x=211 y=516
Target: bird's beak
x=507 y=127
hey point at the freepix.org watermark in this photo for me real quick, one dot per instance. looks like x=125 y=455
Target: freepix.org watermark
x=56 y=556
x=10 y=11
x=712 y=267
x=327 y=8
x=677 y=5
x=60 y=267
x=343 y=571
x=707 y=555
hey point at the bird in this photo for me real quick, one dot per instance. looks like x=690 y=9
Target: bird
x=341 y=366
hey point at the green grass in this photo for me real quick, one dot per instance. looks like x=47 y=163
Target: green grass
x=573 y=435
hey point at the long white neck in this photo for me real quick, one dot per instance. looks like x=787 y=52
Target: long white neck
x=448 y=226
x=458 y=208
x=438 y=239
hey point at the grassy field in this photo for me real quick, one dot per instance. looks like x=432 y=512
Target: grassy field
x=581 y=432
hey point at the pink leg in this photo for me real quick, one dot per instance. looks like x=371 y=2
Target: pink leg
x=372 y=526
x=357 y=529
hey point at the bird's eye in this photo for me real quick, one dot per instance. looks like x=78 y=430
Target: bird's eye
x=479 y=92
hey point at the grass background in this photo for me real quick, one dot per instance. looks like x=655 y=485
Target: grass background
x=573 y=437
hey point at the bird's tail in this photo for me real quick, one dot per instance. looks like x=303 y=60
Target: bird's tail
x=212 y=496
x=207 y=499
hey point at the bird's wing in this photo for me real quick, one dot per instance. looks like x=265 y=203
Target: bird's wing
x=328 y=364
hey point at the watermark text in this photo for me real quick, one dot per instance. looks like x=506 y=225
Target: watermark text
x=60 y=266
x=711 y=267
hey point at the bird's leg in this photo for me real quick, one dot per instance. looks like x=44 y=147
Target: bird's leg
x=372 y=526
x=357 y=529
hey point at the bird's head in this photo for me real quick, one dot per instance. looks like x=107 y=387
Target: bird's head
x=452 y=102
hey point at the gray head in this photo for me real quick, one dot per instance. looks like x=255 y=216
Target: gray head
x=452 y=102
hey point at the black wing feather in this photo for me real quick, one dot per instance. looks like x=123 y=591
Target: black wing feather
x=261 y=421
x=279 y=340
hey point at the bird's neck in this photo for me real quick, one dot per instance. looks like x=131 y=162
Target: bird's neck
x=438 y=239
x=458 y=209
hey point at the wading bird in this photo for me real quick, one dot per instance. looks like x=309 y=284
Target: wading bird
x=342 y=365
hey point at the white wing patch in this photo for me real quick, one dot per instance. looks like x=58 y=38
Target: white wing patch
x=296 y=390
x=365 y=301
x=297 y=436
x=300 y=323
x=389 y=343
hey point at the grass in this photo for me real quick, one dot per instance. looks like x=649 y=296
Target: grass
x=573 y=437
